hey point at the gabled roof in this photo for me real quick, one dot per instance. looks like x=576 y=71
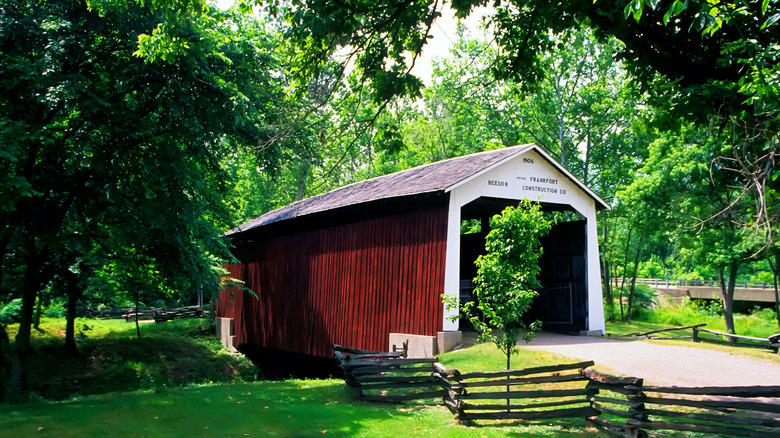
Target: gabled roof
x=441 y=176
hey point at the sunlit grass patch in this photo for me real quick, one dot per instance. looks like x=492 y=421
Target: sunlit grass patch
x=293 y=408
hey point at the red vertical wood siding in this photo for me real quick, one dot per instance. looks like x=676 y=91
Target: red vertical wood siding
x=349 y=284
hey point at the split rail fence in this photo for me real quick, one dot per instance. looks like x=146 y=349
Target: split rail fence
x=699 y=334
x=158 y=314
x=622 y=406
x=388 y=377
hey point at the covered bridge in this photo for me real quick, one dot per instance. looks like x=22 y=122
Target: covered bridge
x=373 y=258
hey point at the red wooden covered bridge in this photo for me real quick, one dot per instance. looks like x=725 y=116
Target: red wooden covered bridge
x=371 y=259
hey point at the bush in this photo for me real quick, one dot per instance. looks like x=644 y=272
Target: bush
x=611 y=311
x=644 y=297
x=686 y=312
x=56 y=309
x=10 y=312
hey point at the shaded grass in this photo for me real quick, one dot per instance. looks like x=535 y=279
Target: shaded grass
x=111 y=358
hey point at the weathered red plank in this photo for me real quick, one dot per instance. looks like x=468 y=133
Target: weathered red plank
x=350 y=284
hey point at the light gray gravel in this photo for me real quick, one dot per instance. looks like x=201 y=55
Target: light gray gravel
x=662 y=365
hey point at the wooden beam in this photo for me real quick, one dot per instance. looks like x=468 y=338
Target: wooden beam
x=539 y=415
x=527 y=371
x=728 y=391
x=611 y=380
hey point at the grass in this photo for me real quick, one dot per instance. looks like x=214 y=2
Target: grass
x=111 y=358
x=155 y=402
x=293 y=408
x=177 y=381
x=486 y=357
x=760 y=323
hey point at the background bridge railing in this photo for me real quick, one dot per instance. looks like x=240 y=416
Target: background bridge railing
x=665 y=282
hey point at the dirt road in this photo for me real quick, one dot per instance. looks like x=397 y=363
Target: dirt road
x=663 y=365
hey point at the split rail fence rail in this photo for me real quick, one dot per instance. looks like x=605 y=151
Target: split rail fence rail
x=622 y=406
x=700 y=334
x=158 y=314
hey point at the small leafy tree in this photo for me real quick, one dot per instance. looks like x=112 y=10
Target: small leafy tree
x=506 y=281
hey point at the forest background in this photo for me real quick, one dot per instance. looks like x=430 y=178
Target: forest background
x=134 y=134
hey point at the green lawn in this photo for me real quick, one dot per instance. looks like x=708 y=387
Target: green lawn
x=292 y=408
x=123 y=386
x=139 y=389
x=486 y=357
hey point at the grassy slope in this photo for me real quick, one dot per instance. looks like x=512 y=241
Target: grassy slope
x=111 y=358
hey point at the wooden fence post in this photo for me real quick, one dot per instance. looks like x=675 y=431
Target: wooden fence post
x=591 y=395
x=636 y=409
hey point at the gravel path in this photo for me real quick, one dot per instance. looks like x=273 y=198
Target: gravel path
x=662 y=365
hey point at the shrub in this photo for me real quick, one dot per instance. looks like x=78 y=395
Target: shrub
x=11 y=311
x=644 y=297
x=56 y=309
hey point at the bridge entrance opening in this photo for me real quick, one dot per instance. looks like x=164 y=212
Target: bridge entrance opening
x=562 y=304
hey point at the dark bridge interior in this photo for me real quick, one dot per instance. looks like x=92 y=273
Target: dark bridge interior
x=563 y=300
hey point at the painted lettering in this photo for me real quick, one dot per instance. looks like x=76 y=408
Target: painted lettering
x=540 y=189
x=493 y=182
x=544 y=180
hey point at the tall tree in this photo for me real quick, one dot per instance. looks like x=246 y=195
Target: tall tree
x=680 y=200
x=110 y=157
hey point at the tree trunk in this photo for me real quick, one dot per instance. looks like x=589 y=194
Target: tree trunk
x=727 y=295
x=775 y=267
x=303 y=175
x=3 y=247
x=137 y=300
x=625 y=267
x=508 y=367
x=586 y=164
x=30 y=286
x=605 y=270
x=560 y=117
x=5 y=355
x=74 y=295
x=38 y=306
x=608 y=298
x=632 y=289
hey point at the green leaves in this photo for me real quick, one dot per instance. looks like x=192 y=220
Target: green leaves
x=506 y=280
x=634 y=8
x=675 y=9
x=113 y=162
x=771 y=21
